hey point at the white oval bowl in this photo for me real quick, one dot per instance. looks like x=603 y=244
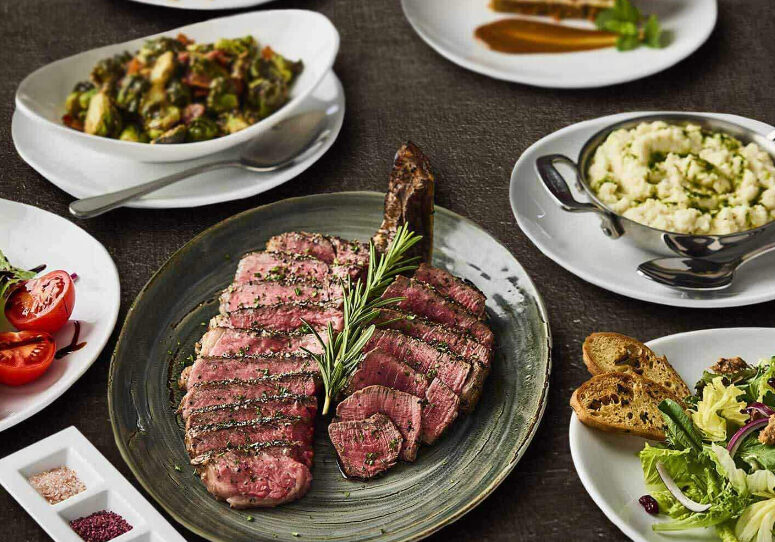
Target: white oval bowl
x=295 y=34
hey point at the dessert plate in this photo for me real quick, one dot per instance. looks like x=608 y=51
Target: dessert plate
x=30 y=237
x=412 y=500
x=575 y=241
x=448 y=26
x=82 y=173
x=608 y=463
x=204 y=4
x=297 y=34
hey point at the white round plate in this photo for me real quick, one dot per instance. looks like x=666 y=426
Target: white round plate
x=204 y=4
x=608 y=464
x=30 y=237
x=575 y=241
x=82 y=173
x=448 y=26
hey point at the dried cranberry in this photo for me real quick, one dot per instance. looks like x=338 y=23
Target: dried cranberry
x=649 y=504
x=771 y=382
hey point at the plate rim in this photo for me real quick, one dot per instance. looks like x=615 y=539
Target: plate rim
x=185 y=202
x=575 y=425
x=516 y=453
x=498 y=74
x=112 y=317
x=684 y=302
x=232 y=4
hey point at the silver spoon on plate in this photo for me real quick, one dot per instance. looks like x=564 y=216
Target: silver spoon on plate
x=285 y=144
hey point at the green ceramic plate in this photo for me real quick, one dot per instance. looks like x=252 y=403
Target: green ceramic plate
x=412 y=500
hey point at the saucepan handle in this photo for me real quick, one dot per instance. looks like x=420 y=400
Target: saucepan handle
x=555 y=183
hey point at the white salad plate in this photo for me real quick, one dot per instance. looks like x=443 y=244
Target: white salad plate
x=608 y=464
x=106 y=489
x=448 y=27
x=81 y=172
x=30 y=237
x=296 y=34
x=204 y=4
x=576 y=242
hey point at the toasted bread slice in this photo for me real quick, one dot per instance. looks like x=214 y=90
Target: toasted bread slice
x=622 y=403
x=607 y=352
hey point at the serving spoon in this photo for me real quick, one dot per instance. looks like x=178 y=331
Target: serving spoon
x=697 y=273
x=283 y=145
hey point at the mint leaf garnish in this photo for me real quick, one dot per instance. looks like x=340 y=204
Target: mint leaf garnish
x=626 y=20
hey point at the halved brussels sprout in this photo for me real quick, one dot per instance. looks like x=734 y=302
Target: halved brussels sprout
x=102 y=117
x=202 y=129
x=131 y=91
x=266 y=96
x=222 y=96
x=175 y=135
x=134 y=133
x=163 y=118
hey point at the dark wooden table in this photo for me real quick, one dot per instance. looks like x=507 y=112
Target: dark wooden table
x=474 y=129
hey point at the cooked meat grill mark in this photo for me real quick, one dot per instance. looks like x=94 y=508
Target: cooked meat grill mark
x=425 y=301
x=403 y=409
x=448 y=285
x=283 y=317
x=277 y=448
x=233 y=434
x=260 y=293
x=367 y=447
x=223 y=341
x=330 y=249
x=301 y=406
x=276 y=265
x=247 y=367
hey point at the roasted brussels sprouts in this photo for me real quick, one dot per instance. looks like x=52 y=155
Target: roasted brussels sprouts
x=156 y=47
x=236 y=46
x=134 y=133
x=266 y=96
x=109 y=70
x=102 y=117
x=202 y=129
x=178 y=94
x=78 y=100
x=162 y=119
x=175 y=135
x=131 y=91
x=270 y=65
x=163 y=68
x=233 y=122
x=222 y=96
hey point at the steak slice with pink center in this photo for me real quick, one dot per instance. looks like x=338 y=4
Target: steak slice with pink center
x=247 y=367
x=255 y=480
x=300 y=406
x=283 y=317
x=281 y=265
x=423 y=357
x=230 y=391
x=380 y=368
x=367 y=447
x=453 y=287
x=439 y=411
x=260 y=293
x=330 y=249
x=224 y=341
x=403 y=409
x=425 y=301
x=229 y=435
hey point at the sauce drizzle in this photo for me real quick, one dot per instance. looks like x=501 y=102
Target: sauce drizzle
x=522 y=36
x=74 y=344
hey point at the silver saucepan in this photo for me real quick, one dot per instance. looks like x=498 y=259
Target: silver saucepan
x=652 y=239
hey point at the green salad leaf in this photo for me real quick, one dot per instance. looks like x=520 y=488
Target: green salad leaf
x=756 y=522
x=756 y=454
x=680 y=430
x=10 y=276
x=626 y=20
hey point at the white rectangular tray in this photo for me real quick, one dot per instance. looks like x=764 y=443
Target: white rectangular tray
x=106 y=489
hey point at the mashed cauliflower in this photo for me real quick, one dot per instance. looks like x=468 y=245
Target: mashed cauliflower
x=683 y=179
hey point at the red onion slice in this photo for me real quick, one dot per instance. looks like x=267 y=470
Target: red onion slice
x=760 y=408
x=743 y=432
x=673 y=488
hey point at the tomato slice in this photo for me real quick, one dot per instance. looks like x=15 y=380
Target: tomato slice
x=25 y=356
x=42 y=304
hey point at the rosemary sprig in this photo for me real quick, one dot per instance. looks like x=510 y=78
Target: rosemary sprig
x=342 y=350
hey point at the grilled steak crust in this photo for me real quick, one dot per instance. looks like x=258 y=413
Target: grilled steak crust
x=262 y=293
x=403 y=409
x=409 y=200
x=425 y=301
x=227 y=435
x=279 y=265
x=247 y=367
x=462 y=344
x=230 y=391
x=439 y=411
x=224 y=341
x=367 y=447
x=283 y=317
x=423 y=357
x=304 y=407
x=330 y=249
x=255 y=480
x=380 y=368
x=448 y=285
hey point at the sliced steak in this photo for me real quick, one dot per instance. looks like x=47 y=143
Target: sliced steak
x=227 y=435
x=253 y=480
x=367 y=447
x=222 y=341
x=423 y=357
x=247 y=367
x=332 y=250
x=462 y=344
x=380 y=368
x=403 y=409
x=234 y=391
x=424 y=300
x=453 y=287
x=281 y=265
x=278 y=448
x=439 y=411
x=472 y=389
x=260 y=293
x=300 y=406
x=283 y=317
